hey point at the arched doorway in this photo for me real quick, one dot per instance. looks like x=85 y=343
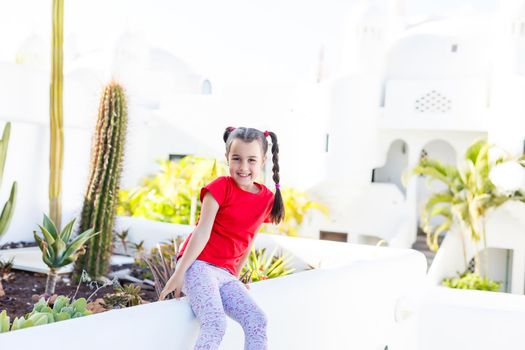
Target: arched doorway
x=396 y=163
x=444 y=152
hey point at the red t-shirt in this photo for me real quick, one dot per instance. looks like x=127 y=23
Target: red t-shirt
x=240 y=215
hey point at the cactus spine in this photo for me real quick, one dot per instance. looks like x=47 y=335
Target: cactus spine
x=100 y=199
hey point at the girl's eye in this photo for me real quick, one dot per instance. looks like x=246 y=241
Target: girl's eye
x=252 y=160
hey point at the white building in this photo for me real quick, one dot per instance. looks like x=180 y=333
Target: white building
x=400 y=86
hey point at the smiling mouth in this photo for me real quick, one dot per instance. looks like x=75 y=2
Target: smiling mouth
x=244 y=175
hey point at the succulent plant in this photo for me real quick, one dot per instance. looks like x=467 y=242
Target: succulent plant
x=123 y=238
x=56 y=120
x=107 y=154
x=7 y=211
x=4 y=322
x=261 y=266
x=162 y=263
x=128 y=295
x=43 y=313
x=5 y=273
x=58 y=249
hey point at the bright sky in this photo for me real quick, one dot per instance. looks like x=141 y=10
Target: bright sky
x=234 y=38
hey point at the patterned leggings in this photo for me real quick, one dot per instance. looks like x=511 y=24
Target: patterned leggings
x=213 y=293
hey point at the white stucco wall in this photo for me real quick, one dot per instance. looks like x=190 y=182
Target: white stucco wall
x=348 y=301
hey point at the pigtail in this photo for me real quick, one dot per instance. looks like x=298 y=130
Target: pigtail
x=277 y=212
x=227 y=133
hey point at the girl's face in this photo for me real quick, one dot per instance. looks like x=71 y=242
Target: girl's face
x=245 y=161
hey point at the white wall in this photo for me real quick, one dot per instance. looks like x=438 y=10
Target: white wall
x=348 y=302
x=445 y=318
x=452 y=104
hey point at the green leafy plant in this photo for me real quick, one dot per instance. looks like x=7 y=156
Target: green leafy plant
x=262 y=266
x=58 y=249
x=6 y=266
x=165 y=251
x=172 y=194
x=472 y=280
x=139 y=247
x=297 y=204
x=5 y=322
x=123 y=238
x=107 y=155
x=468 y=196
x=44 y=313
x=162 y=263
x=124 y=296
x=5 y=272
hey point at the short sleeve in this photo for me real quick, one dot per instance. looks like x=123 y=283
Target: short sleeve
x=217 y=188
x=268 y=217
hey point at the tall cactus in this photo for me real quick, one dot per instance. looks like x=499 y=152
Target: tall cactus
x=100 y=199
x=56 y=124
x=7 y=212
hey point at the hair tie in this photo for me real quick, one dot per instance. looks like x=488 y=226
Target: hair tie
x=266 y=133
x=277 y=186
x=230 y=128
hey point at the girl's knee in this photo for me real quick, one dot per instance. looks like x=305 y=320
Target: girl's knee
x=258 y=318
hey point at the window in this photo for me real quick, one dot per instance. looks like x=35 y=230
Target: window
x=433 y=102
x=176 y=157
x=333 y=236
x=206 y=87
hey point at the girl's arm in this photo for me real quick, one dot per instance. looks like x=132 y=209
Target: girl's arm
x=244 y=258
x=196 y=244
x=201 y=234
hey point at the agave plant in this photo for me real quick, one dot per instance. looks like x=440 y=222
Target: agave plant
x=58 y=249
x=261 y=266
x=468 y=196
x=162 y=263
x=123 y=296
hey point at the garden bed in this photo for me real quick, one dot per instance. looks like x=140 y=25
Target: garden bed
x=20 y=291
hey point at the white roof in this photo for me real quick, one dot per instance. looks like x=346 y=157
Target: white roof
x=441 y=49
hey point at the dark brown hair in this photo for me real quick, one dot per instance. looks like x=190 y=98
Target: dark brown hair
x=249 y=135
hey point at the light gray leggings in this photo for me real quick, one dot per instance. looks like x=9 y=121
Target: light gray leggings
x=213 y=293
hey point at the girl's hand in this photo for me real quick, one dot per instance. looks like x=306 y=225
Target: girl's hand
x=174 y=284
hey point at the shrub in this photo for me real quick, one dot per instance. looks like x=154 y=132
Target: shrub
x=472 y=280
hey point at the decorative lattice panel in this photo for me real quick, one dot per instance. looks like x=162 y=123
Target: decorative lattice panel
x=433 y=102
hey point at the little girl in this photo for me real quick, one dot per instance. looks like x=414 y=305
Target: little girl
x=210 y=260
